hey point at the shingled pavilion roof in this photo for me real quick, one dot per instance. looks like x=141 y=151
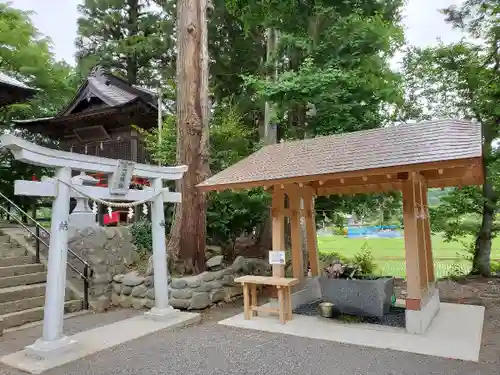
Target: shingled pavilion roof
x=397 y=148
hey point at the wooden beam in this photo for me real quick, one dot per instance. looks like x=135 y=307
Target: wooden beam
x=312 y=245
x=411 y=244
x=294 y=197
x=278 y=228
x=345 y=175
x=361 y=189
x=428 y=241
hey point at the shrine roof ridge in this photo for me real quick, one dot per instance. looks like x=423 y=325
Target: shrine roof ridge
x=314 y=159
x=31 y=153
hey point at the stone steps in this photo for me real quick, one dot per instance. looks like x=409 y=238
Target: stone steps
x=20 y=292
x=21 y=269
x=27 y=279
x=16 y=261
x=19 y=318
x=22 y=285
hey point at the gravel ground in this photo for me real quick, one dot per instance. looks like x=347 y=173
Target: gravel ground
x=212 y=349
x=395 y=317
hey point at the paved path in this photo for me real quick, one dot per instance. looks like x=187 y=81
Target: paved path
x=212 y=349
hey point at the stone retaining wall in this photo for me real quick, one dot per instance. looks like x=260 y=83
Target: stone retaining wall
x=192 y=292
x=109 y=251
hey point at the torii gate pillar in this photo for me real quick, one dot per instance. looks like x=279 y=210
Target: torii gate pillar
x=53 y=338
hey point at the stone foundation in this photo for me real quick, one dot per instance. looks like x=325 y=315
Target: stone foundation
x=109 y=251
x=191 y=292
x=418 y=321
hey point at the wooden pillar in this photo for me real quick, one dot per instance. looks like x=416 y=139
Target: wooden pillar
x=312 y=245
x=278 y=227
x=418 y=250
x=294 y=197
x=427 y=235
x=413 y=292
x=422 y=256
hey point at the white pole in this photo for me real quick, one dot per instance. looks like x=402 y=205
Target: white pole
x=162 y=307
x=52 y=338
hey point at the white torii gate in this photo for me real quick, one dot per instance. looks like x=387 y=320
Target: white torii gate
x=62 y=188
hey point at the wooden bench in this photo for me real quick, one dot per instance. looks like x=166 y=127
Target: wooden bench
x=283 y=285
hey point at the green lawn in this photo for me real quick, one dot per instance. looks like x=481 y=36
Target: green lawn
x=389 y=253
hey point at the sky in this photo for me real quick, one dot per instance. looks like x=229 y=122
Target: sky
x=57 y=20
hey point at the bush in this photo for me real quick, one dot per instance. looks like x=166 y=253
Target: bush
x=365 y=261
x=495 y=266
x=325 y=259
x=142 y=236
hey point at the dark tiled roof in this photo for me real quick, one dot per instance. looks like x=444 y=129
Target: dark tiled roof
x=400 y=145
x=7 y=80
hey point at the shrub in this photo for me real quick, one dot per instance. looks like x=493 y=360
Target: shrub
x=365 y=261
x=495 y=266
x=325 y=259
x=142 y=235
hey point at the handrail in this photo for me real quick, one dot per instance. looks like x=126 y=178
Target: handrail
x=37 y=224
x=87 y=270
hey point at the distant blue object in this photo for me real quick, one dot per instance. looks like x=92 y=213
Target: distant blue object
x=375 y=231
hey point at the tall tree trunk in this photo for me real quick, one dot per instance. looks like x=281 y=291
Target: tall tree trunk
x=188 y=232
x=482 y=248
x=132 y=27
x=269 y=133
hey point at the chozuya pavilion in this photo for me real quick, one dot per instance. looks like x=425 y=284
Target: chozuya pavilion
x=409 y=157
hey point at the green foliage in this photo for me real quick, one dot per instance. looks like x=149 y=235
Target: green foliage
x=325 y=259
x=229 y=214
x=141 y=231
x=462 y=80
x=495 y=267
x=365 y=261
x=130 y=38
x=25 y=55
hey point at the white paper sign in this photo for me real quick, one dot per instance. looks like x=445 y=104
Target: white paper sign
x=277 y=257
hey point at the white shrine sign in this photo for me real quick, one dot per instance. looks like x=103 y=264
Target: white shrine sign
x=62 y=187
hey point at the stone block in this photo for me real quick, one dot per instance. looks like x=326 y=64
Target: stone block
x=118 y=278
x=205 y=287
x=179 y=303
x=127 y=290
x=138 y=303
x=359 y=297
x=178 y=284
x=150 y=294
x=199 y=301
x=215 y=263
x=217 y=295
x=228 y=280
x=126 y=301
x=115 y=299
x=139 y=291
x=149 y=281
x=193 y=281
x=102 y=303
x=207 y=276
x=182 y=293
x=232 y=292
x=117 y=288
x=149 y=303
x=132 y=279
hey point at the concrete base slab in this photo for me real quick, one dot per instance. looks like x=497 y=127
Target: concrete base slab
x=97 y=339
x=42 y=349
x=160 y=314
x=447 y=335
